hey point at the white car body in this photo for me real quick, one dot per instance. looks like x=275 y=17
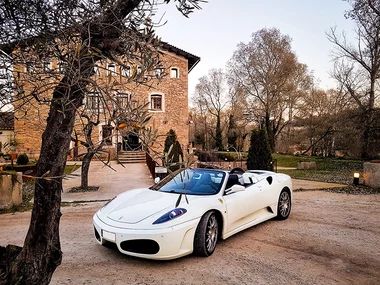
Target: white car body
x=129 y=219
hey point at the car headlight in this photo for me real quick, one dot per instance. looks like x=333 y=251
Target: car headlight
x=171 y=215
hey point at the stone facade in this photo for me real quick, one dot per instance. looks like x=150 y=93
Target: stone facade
x=6 y=131
x=10 y=191
x=371 y=174
x=171 y=113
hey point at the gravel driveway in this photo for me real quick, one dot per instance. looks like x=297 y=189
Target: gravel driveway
x=329 y=238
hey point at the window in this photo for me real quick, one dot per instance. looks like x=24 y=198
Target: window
x=174 y=73
x=139 y=70
x=30 y=67
x=111 y=69
x=156 y=102
x=126 y=71
x=158 y=73
x=96 y=70
x=92 y=101
x=47 y=66
x=107 y=134
x=122 y=100
x=61 y=67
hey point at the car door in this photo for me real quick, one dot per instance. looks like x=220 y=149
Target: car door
x=241 y=206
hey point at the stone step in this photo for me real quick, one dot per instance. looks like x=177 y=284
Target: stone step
x=131 y=161
x=132 y=157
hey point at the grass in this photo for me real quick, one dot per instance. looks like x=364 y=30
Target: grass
x=334 y=170
x=71 y=168
x=286 y=160
x=28 y=192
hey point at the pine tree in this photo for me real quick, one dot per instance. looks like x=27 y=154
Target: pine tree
x=259 y=154
x=218 y=135
x=176 y=152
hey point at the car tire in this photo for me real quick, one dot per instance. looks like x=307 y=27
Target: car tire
x=284 y=205
x=206 y=235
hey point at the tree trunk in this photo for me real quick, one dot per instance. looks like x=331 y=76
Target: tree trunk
x=368 y=122
x=41 y=253
x=270 y=132
x=85 y=168
x=218 y=135
x=42 y=250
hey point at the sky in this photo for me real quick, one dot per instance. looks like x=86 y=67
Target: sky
x=214 y=32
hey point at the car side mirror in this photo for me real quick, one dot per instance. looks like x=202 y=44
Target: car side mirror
x=156 y=180
x=235 y=188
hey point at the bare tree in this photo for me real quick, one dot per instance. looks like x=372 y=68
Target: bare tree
x=210 y=92
x=236 y=131
x=319 y=119
x=267 y=69
x=357 y=66
x=78 y=34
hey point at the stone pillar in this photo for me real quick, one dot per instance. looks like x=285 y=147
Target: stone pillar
x=309 y=165
x=10 y=190
x=371 y=174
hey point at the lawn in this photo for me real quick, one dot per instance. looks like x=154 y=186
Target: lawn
x=333 y=170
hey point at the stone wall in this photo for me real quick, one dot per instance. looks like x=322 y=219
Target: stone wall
x=10 y=191
x=31 y=119
x=307 y=165
x=371 y=174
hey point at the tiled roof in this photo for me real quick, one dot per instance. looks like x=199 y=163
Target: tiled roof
x=7 y=121
x=191 y=59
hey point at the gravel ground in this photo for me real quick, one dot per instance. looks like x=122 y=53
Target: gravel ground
x=329 y=238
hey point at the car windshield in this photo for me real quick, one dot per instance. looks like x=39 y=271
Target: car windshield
x=192 y=182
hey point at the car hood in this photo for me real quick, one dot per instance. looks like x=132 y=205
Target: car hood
x=135 y=206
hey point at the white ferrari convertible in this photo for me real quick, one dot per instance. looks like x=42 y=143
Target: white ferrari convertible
x=189 y=210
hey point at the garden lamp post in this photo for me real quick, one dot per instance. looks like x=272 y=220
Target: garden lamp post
x=356 y=178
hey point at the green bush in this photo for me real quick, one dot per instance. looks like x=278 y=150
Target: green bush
x=226 y=156
x=22 y=159
x=259 y=154
x=175 y=154
x=203 y=156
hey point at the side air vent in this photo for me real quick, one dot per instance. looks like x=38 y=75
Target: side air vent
x=270 y=180
x=97 y=236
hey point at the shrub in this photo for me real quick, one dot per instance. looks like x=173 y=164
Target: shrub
x=226 y=156
x=259 y=154
x=22 y=159
x=203 y=156
x=176 y=152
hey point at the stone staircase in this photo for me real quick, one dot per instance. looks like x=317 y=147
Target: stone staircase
x=132 y=157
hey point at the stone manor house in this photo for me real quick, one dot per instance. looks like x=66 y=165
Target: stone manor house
x=166 y=98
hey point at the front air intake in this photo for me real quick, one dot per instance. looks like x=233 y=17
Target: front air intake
x=144 y=246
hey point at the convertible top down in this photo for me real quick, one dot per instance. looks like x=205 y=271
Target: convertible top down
x=190 y=209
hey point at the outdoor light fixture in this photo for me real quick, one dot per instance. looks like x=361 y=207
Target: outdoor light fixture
x=356 y=178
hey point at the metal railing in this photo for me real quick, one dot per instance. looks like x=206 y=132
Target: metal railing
x=151 y=163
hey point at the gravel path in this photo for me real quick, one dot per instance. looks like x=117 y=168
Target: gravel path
x=329 y=238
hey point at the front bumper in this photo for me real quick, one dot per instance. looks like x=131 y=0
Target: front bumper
x=161 y=244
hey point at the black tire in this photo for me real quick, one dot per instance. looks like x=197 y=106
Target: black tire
x=206 y=235
x=284 y=205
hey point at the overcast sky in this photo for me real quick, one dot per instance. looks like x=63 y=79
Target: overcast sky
x=214 y=32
